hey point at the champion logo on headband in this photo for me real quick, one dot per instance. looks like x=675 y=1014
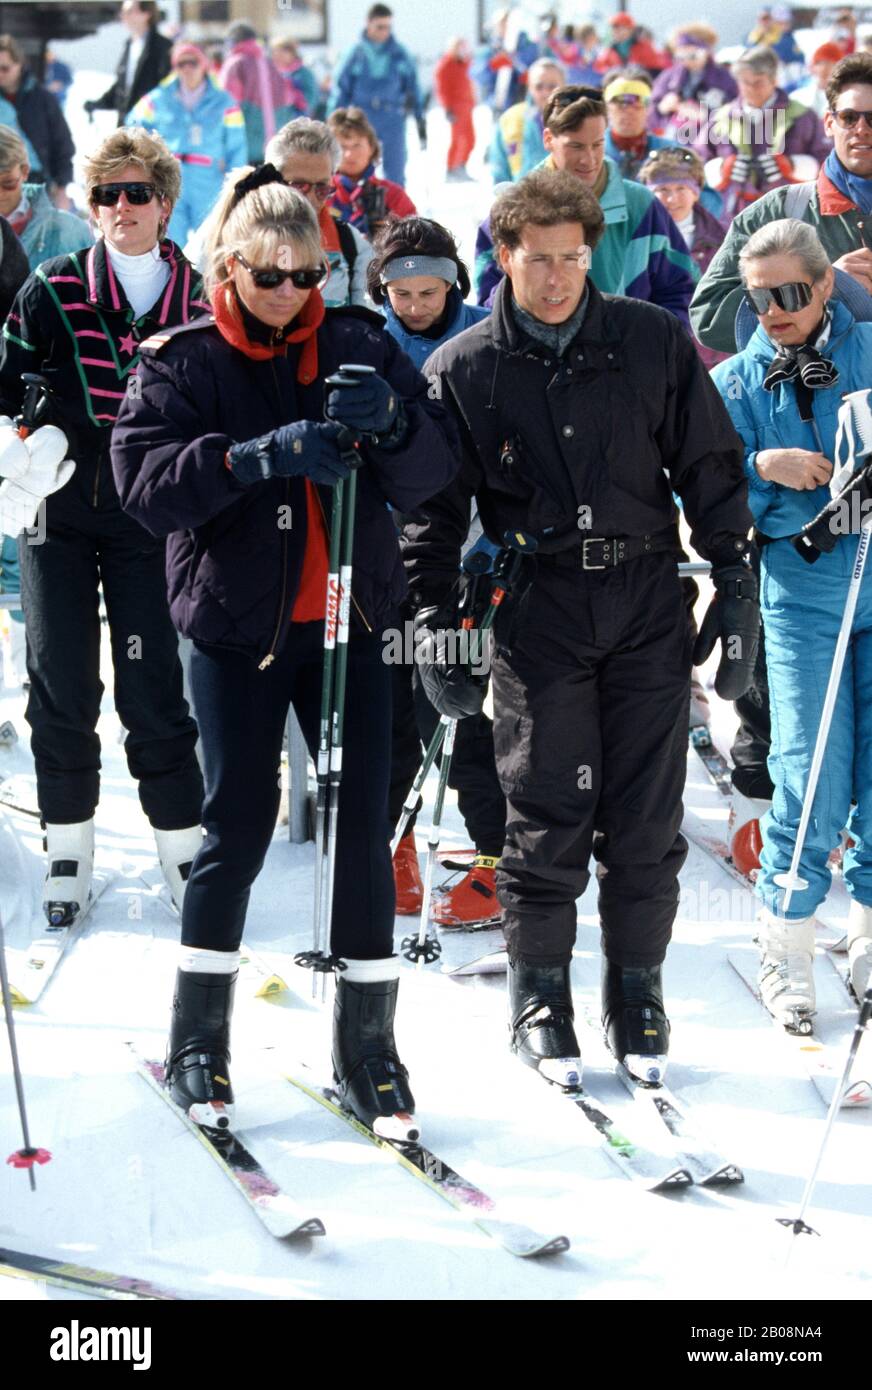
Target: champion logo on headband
x=408 y=265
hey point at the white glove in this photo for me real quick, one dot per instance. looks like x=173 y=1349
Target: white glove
x=21 y=494
x=14 y=458
x=769 y=168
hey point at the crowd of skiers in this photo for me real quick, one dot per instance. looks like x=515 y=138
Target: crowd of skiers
x=674 y=315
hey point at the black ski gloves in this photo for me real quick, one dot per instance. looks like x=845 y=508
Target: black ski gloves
x=733 y=616
x=321 y=452
x=454 y=684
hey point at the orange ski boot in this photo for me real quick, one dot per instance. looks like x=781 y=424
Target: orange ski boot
x=407 y=878
x=473 y=903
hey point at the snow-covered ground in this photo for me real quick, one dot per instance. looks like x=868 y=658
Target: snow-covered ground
x=129 y=1190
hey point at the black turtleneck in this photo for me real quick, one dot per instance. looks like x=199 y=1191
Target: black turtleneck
x=256 y=330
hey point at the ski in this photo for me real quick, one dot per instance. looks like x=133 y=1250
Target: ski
x=18 y=793
x=441 y=1179
x=16 y=1264
x=712 y=759
x=705 y=1165
x=491 y=963
x=654 y=1172
x=265 y=983
x=278 y=1212
x=31 y=969
x=822 y=1051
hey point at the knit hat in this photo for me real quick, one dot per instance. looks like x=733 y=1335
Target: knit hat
x=187 y=50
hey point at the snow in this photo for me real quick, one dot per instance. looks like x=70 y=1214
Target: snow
x=129 y=1190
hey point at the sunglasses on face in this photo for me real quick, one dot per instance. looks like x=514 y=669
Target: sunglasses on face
x=106 y=195
x=187 y=63
x=628 y=99
x=304 y=279
x=791 y=298
x=848 y=118
x=304 y=186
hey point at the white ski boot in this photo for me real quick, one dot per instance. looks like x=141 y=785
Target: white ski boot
x=176 y=850
x=860 y=947
x=70 y=866
x=786 y=976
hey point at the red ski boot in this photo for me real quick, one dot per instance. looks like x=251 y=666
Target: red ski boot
x=743 y=829
x=473 y=903
x=407 y=878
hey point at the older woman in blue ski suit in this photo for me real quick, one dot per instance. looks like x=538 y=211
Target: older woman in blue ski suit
x=783 y=393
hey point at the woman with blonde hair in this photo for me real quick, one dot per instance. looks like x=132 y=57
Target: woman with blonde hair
x=225 y=440
x=43 y=230
x=79 y=320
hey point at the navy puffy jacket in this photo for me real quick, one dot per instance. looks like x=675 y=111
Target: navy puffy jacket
x=234 y=553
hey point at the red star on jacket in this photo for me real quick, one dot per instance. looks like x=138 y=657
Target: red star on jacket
x=127 y=344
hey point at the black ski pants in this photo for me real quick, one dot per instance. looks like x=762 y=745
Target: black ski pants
x=61 y=575
x=750 y=750
x=590 y=727
x=473 y=773
x=242 y=713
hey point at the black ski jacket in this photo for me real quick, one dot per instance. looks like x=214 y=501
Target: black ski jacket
x=591 y=444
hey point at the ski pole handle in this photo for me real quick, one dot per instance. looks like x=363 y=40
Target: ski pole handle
x=33 y=406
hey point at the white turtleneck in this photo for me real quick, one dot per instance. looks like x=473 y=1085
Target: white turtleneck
x=686 y=227
x=143 y=277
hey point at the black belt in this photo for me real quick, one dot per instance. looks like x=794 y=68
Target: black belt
x=606 y=552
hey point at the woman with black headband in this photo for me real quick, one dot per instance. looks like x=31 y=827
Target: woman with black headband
x=419 y=280
x=225 y=449
x=783 y=393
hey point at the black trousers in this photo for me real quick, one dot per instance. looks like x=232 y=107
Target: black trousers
x=473 y=773
x=60 y=579
x=591 y=713
x=242 y=713
x=750 y=750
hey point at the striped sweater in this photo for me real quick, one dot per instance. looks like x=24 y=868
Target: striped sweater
x=641 y=254
x=72 y=323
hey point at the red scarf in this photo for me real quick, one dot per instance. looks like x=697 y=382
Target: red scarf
x=229 y=323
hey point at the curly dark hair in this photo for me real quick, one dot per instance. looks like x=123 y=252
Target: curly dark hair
x=545 y=198
x=412 y=236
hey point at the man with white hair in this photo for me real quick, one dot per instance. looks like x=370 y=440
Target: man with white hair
x=517 y=145
x=307 y=154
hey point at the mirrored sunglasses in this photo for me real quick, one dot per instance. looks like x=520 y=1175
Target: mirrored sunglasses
x=106 y=195
x=790 y=298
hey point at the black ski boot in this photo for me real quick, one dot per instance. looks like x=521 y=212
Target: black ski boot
x=634 y=1018
x=540 y=1021
x=198 y=1053
x=370 y=1079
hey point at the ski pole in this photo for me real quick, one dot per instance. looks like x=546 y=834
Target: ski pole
x=424 y=949
x=791 y=881
x=337 y=723
x=328 y=768
x=797 y=1223
x=506 y=571
x=475 y=564
x=26 y=1156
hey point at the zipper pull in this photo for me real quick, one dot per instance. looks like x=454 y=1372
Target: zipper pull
x=267 y=661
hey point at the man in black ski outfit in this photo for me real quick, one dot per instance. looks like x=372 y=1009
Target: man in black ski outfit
x=580 y=414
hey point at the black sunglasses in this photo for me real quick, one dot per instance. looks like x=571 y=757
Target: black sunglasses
x=790 y=298
x=106 y=195
x=307 y=279
x=848 y=118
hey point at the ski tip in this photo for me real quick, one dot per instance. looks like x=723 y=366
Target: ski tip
x=561 y=1071
x=401 y=1126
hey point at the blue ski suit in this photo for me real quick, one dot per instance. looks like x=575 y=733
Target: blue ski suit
x=208 y=141
x=382 y=79
x=802 y=607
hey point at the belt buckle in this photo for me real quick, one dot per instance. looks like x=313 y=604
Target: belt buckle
x=593 y=540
